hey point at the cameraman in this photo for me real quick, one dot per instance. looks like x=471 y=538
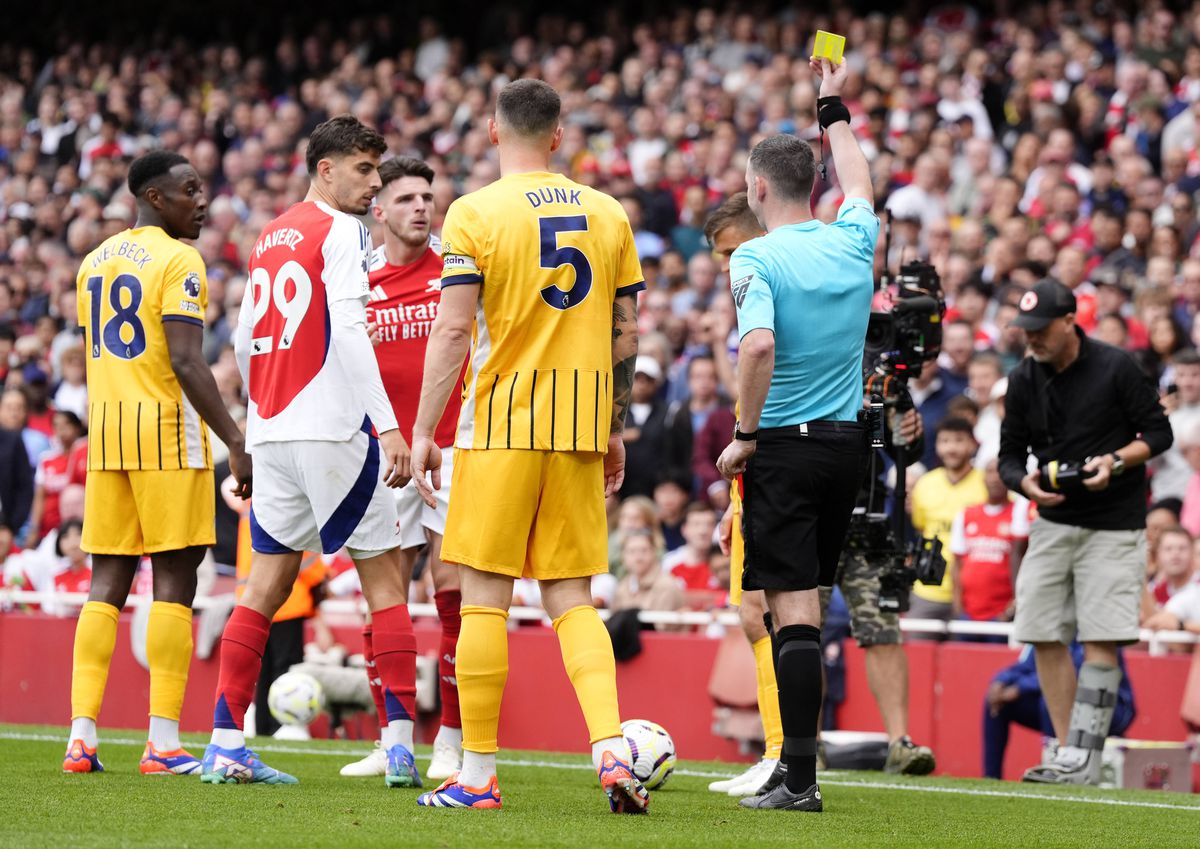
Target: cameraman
x=803 y=294
x=877 y=631
x=1077 y=400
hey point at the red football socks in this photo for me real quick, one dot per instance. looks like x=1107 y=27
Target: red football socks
x=242 y=647
x=448 y=603
x=373 y=675
x=396 y=661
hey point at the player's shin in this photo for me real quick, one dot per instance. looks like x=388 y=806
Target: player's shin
x=95 y=639
x=800 y=694
x=396 y=664
x=168 y=653
x=482 y=667
x=242 y=647
x=588 y=656
x=768 y=697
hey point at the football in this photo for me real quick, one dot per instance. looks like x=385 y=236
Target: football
x=652 y=751
x=296 y=698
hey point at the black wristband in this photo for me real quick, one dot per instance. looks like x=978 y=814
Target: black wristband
x=830 y=110
x=744 y=436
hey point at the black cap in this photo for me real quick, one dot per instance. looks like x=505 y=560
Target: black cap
x=1046 y=301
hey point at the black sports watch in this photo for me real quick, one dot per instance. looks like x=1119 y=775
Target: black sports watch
x=1118 y=465
x=744 y=436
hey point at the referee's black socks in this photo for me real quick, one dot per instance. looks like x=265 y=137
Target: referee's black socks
x=798 y=670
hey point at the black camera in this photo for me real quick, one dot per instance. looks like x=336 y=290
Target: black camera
x=874 y=536
x=911 y=334
x=1064 y=476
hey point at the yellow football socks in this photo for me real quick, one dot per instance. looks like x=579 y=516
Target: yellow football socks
x=588 y=656
x=95 y=638
x=481 y=667
x=768 y=698
x=169 y=653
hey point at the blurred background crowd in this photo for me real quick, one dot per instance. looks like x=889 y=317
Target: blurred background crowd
x=1058 y=139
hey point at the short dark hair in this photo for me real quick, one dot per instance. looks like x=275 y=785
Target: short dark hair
x=1187 y=357
x=978 y=286
x=1170 y=503
x=404 y=166
x=340 y=136
x=734 y=212
x=71 y=417
x=787 y=163
x=529 y=107
x=956 y=424
x=698 y=358
x=149 y=167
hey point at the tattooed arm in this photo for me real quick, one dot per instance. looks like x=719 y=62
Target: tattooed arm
x=624 y=354
x=625 y=347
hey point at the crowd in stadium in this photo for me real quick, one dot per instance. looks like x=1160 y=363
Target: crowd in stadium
x=1059 y=142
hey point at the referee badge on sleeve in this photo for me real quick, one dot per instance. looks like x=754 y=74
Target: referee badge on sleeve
x=739 y=287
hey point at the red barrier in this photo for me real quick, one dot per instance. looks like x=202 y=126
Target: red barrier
x=667 y=683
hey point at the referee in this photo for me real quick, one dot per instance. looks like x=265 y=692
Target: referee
x=803 y=295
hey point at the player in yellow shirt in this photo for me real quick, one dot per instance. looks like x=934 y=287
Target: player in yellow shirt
x=539 y=280
x=937 y=497
x=141 y=298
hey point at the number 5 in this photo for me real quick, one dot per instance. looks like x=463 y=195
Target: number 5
x=555 y=257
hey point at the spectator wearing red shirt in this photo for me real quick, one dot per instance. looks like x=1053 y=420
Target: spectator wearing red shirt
x=55 y=472
x=690 y=565
x=987 y=541
x=73 y=572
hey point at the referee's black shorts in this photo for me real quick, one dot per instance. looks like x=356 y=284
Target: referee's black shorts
x=799 y=492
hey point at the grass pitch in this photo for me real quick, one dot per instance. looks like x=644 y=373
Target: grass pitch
x=549 y=800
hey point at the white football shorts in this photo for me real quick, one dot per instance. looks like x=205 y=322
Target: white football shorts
x=319 y=496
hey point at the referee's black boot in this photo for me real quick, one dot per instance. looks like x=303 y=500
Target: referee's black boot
x=782 y=799
x=775 y=779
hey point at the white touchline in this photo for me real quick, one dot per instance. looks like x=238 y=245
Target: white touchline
x=695 y=773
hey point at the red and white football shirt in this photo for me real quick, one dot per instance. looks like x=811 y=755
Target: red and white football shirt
x=305 y=260
x=982 y=539
x=73 y=581
x=404 y=302
x=53 y=475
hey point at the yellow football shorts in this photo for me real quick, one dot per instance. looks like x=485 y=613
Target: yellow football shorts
x=523 y=513
x=144 y=512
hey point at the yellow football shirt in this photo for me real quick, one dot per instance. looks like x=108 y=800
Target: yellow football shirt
x=935 y=503
x=138 y=416
x=551 y=255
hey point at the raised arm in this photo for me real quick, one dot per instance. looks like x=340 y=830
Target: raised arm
x=853 y=173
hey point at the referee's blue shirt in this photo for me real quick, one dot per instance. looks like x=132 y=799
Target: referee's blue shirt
x=811 y=284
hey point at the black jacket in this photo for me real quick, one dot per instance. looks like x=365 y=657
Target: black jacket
x=663 y=448
x=1099 y=403
x=16 y=481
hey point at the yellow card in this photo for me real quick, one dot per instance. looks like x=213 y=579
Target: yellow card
x=828 y=45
